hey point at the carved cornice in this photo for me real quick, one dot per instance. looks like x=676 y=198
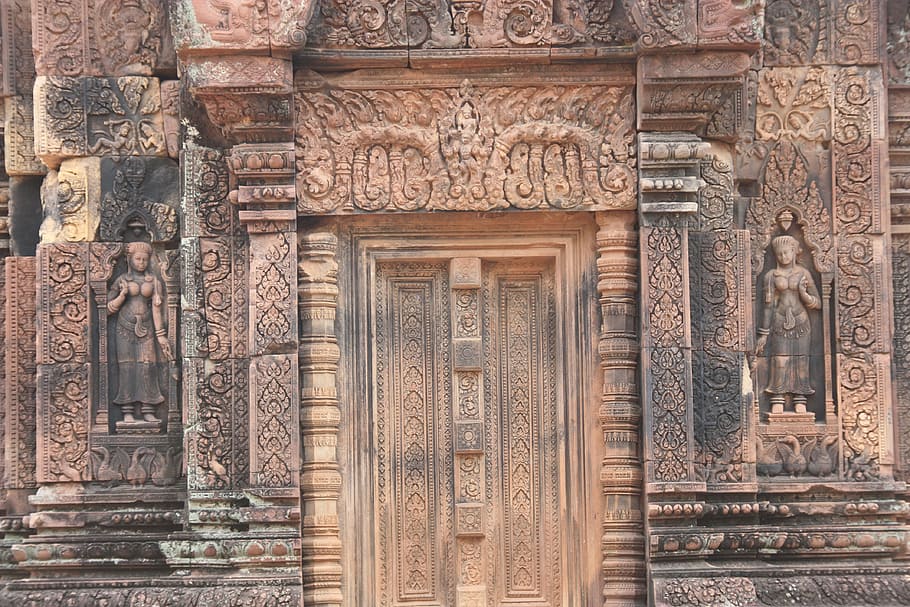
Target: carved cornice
x=247 y=97
x=703 y=93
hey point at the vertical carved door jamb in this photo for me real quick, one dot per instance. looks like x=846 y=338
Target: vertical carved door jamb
x=623 y=541
x=320 y=416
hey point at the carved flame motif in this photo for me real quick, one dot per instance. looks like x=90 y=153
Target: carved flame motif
x=788 y=187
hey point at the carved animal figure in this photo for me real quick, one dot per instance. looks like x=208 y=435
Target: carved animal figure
x=783 y=456
x=164 y=467
x=794 y=462
x=769 y=462
x=137 y=473
x=822 y=455
x=104 y=469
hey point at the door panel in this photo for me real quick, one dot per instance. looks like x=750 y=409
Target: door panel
x=413 y=463
x=466 y=441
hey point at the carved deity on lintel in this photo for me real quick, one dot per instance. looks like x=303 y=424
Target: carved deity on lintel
x=137 y=300
x=786 y=329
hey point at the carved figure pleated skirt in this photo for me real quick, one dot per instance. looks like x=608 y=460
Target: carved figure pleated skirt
x=789 y=345
x=137 y=358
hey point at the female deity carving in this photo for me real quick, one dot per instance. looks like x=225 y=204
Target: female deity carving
x=136 y=297
x=786 y=329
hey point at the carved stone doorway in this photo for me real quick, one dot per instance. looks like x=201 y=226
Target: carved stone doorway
x=471 y=390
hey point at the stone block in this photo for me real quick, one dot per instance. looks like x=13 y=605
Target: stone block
x=71 y=199
x=107 y=37
x=19 y=137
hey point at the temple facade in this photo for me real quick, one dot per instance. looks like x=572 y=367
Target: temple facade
x=455 y=303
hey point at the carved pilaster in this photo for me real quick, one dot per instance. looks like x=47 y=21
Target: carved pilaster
x=669 y=181
x=863 y=319
x=623 y=542
x=320 y=480
x=63 y=364
x=20 y=385
x=262 y=175
x=721 y=304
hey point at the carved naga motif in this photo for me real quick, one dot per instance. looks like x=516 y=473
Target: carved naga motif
x=470 y=148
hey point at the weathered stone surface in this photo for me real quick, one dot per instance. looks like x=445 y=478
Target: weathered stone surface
x=260 y=359
x=98 y=116
x=103 y=37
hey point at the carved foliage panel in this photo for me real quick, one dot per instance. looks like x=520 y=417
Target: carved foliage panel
x=863 y=318
x=273 y=296
x=217 y=401
x=64 y=393
x=274 y=458
x=266 y=593
x=20 y=386
x=215 y=295
x=19 y=137
x=721 y=335
x=666 y=354
x=18 y=73
x=794 y=103
x=63 y=301
x=901 y=266
x=215 y=306
x=434 y=24
x=467 y=147
x=99 y=116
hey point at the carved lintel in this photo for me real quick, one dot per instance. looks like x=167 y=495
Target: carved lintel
x=452 y=145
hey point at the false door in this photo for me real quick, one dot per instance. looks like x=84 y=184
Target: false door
x=468 y=446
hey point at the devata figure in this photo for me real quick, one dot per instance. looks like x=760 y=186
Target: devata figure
x=136 y=297
x=789 y=295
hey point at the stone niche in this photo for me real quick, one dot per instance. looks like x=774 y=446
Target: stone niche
x=109 y=325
